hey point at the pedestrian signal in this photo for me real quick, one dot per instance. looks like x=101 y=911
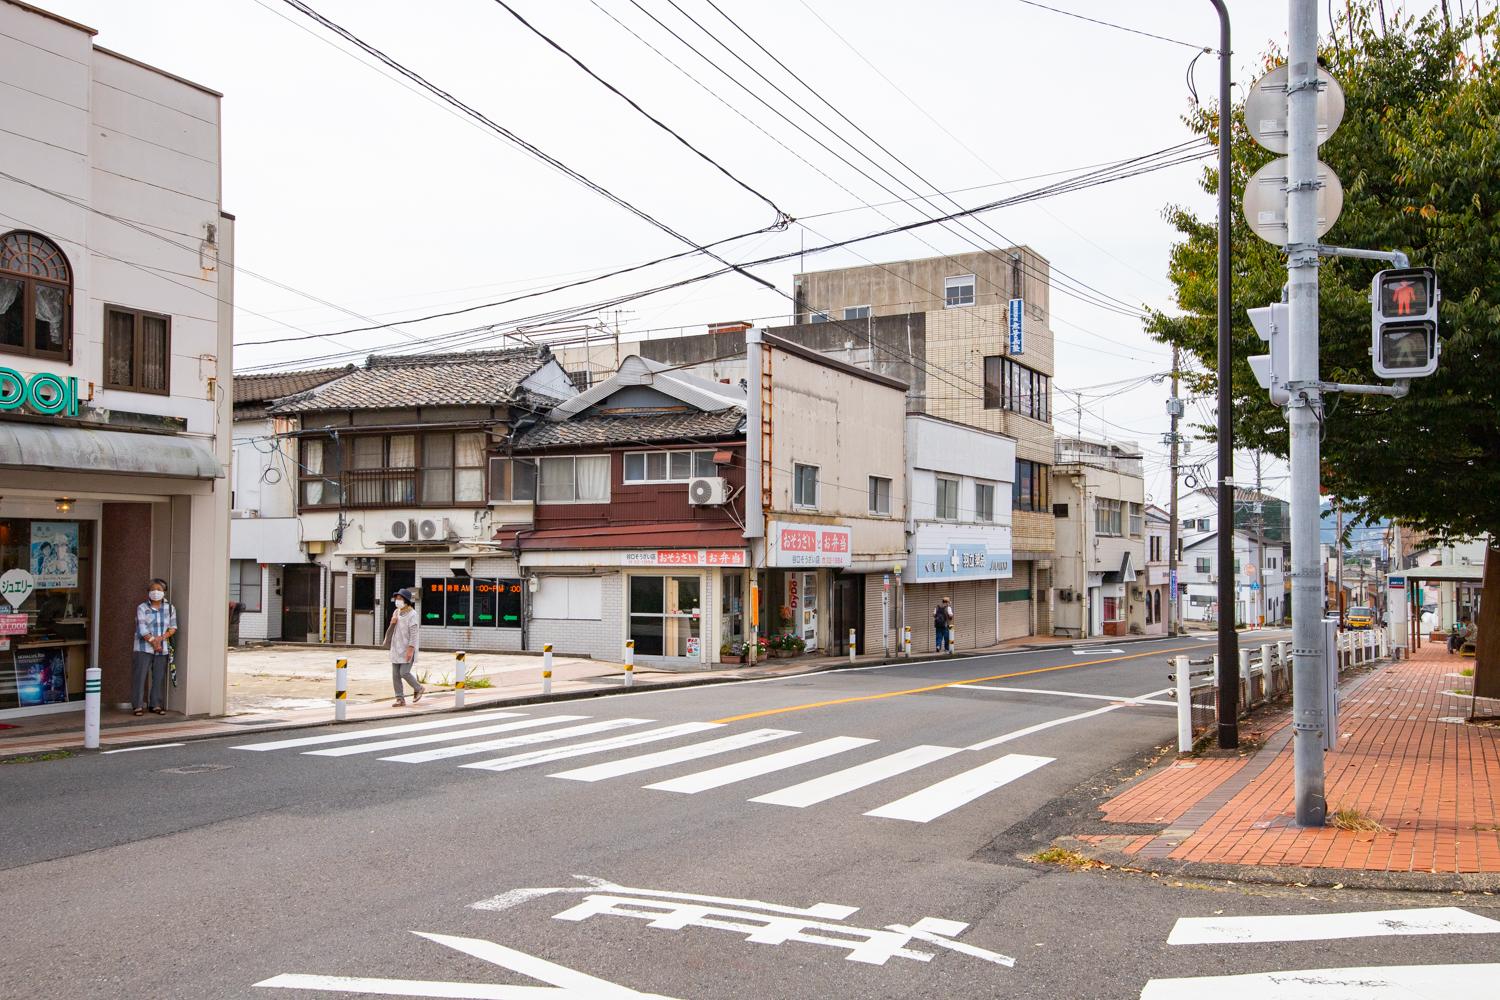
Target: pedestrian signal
x=1404 y=322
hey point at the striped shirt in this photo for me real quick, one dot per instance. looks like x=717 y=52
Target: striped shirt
x=152 y=621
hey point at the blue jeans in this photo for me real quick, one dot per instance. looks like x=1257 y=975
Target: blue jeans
x=944 y=637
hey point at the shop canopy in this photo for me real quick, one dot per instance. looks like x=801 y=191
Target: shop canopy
x=78 y=449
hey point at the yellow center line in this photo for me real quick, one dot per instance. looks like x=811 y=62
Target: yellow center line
x=949 y=684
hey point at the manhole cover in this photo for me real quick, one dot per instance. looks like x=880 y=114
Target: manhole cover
x=195 y=768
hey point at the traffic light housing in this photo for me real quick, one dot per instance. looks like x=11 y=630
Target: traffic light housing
x=1272 y=370
x=1404 y=341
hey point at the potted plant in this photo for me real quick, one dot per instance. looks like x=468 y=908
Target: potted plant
x=795 y=645
x=732 y=652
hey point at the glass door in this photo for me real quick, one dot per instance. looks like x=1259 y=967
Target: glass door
x=666 y=616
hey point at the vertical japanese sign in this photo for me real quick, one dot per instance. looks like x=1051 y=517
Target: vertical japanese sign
x=1017 y=337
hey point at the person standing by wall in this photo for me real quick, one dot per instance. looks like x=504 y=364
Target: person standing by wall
x=155 y=625
x=403 y=636
x=942 y=625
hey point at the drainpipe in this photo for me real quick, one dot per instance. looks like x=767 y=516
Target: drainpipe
x=755 y=514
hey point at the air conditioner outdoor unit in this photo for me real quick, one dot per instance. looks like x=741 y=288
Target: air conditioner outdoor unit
x=708 y=491
x=404 y=530
x=433 y=529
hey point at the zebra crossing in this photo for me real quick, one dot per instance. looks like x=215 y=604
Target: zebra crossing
x=1378 y=982
x=732 y=758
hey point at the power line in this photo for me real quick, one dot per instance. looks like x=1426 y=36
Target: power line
x=1117 y=27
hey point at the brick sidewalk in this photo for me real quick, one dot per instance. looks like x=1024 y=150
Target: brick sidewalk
x=1405 y=759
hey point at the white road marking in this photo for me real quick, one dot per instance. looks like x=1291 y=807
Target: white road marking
x=730 y=773
x=1093 y=651
x=830 y=785
x=1331 y=926
x=506 y=900
x=1388 y=982
x=1144 y=699
x=154 y=746
x=525 y=739
x=563 y=983
x=961 y=789
x=514 y=761
x=468 y=719
x=1017 y=734
x=413 y=741
x=664 y=758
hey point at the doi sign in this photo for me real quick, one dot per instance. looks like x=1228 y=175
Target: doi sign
x=43 y=392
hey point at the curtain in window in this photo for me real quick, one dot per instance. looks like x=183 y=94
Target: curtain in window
x=557 y=480
x=468 y=461
x=155 y=357
x=119 y=349
x=51 y=302
x=401 y=453
x=312 y=461
x=593 y=479
x=12 y=320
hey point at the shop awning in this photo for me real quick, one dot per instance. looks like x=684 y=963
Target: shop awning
x=682 y=534
x=79 y=449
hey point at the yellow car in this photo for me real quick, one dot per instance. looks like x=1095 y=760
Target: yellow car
x=1359 y=618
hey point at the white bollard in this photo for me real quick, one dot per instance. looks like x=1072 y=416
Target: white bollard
x=852 y=642
x=906 y=640
x=1184 y=704
x=629 y=662
x=1282 y=648
x=1266 y=660
x=1245 y=664
x=93 y=681
x=547 y=668
x=460 y=675
x=340 y=690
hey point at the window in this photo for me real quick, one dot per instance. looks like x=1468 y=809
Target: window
x=1137 y=520
x=958 y=291
x=321 y=473
x=819 y=316
x=584 y=479
x=668 y=466
x=452 y=467
x=244 y=583
x=1270 y=562
x=1107 y=516
x=1201 y=601
x=1201 y=565
x=569 y=598
x=857 y=312
x=1029 y=491
x=393 y=470
x=1187 y=524
x=984 y=501
x=512 y=480
x=1010 y=385
x=1059 y=510
x=36 y=298
x=1155 y=546
x=1111 y=610
x=804 y=485
x=947 y=499
x=880 y=495
x=1202 y=524
x=471 y=602
x=137 y=350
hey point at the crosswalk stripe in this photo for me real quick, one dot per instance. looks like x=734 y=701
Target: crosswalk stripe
x=728 y=774
x=412 y=741
x=830 y=785
x=1387 y=982
x=1330 y=926
x=514 y=761
x=467 y=719
x=677 y=755
x=525 y=739
x=947 y=795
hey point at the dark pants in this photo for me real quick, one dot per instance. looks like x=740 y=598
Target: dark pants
x=154 y=664
x=944 y=637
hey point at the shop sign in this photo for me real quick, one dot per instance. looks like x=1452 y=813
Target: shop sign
x=15 y=586
x=43 y=393
x=686 y=557
x=963 y=560
x=13 y=624
x=809 y=545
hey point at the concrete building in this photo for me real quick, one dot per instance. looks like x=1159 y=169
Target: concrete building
x=115 y=359
x=958 y=532
x=1158 y=570
x=1262 y=548
x=1099 y=497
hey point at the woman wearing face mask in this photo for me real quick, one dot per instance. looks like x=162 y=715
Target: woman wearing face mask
x=155 y=624
x=402 y=637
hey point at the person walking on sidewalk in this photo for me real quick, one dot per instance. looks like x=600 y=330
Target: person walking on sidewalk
x=942 y=625
x=403 y=636
x=155 y=624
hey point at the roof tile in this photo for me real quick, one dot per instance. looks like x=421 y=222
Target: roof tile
x=477 y=379
x=642 y=428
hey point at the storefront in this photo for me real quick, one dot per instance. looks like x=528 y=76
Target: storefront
x=970 y=564
x=48 y=615
x=796 y=588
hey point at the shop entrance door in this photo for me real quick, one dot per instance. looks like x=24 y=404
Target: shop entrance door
x=399 y=575
x=848 y=612
x=299 y=603
x=364 y=610
x=666 y=616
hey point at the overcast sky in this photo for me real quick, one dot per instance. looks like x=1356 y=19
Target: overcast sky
x=351 y=187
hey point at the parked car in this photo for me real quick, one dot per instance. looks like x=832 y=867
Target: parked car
x=1360 y=618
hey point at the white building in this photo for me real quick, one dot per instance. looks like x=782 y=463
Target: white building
x=1261 y=551
x=1098 y=500
x=116 y=330
x=958 y=533
x=1158 y=570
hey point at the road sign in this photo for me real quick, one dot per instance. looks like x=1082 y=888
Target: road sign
x=1266 y=109
x=1266 y=201
x=1403 y=322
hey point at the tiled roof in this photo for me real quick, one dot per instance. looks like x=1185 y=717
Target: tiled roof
x=632 y=429
x=262 y=387
x=478 y=379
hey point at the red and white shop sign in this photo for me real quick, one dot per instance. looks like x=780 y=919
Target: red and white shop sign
x=796 y=545
x=685 y=557
x=12 y=624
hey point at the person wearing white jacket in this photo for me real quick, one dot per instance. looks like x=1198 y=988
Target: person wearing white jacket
x=403 y=636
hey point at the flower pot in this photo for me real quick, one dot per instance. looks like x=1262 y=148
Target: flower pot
x=731 y=658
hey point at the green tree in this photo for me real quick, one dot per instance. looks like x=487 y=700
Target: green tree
x=1419 y=156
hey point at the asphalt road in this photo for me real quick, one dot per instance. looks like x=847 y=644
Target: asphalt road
x=847 y=834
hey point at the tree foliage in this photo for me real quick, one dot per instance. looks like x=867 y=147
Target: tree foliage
x=1419 y=156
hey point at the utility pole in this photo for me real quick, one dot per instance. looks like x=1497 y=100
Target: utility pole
x=1338 y=559
x=1229 y=657
x=1304 y=411
x=1173 y=407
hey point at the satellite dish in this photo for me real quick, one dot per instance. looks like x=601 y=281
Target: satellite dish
x=1266 y=199
x=1266 y=109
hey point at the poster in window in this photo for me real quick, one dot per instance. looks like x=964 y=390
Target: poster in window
x=41 y=677
x=459 y=590
x=433 y=591
x=54 y=554
x=510 y=603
